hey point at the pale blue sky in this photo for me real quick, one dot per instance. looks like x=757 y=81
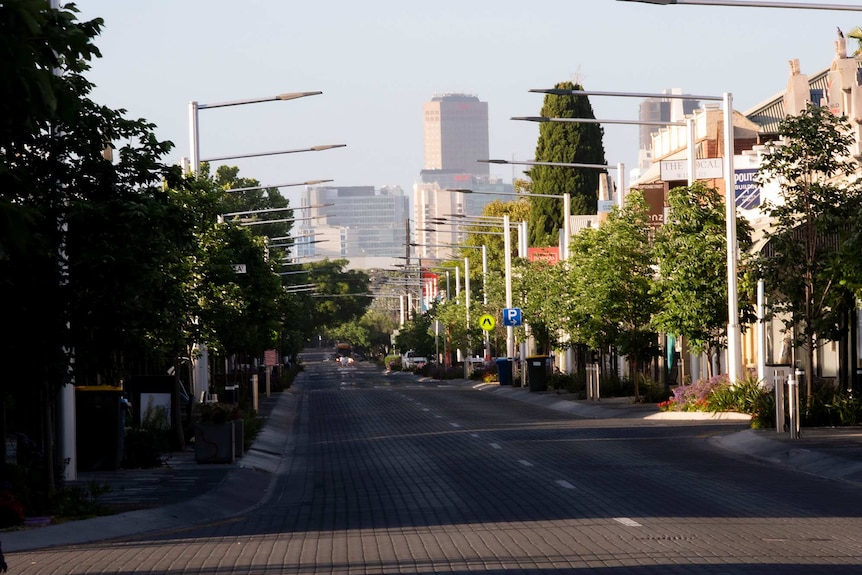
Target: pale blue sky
x=378 y=61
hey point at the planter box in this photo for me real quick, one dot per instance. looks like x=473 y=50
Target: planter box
x=215 y=442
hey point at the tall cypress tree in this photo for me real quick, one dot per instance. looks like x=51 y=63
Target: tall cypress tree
x=565 y=142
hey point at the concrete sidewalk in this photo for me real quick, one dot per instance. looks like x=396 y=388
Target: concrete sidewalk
x=238 y=488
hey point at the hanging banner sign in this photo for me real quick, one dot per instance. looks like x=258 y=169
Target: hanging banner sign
x=746 y=189
x=704 y=169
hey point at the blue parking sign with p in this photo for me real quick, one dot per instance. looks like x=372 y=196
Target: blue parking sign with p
x=512 y=316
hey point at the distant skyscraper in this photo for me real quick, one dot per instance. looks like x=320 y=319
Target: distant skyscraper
x=352 y=222
x=660 y=110
x=456 y=134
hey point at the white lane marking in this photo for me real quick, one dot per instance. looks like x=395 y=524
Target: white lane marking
x=453 y=424
x=476 y=435
x=425 y=409
x=495 y=445
x=627 y=522
x=525 y=463
x=439 y=416
x=564 y=484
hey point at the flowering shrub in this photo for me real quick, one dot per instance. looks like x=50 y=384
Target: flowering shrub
x=695 y=397
x=719 y=394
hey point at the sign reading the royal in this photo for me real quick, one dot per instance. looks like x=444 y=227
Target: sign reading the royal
x=512 y=316
x=704 y=169
x=746 y=189
x=487 y=322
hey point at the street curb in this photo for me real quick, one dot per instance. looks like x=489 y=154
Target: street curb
x=753 y=443
x=596 y=410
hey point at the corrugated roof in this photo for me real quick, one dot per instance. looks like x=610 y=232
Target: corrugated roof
x=769 y=113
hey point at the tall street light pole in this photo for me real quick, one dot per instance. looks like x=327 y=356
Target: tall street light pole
x=253 y=188
x=195 y=107
x=742 y=4
x=507 y=255
x=620 y=166
x=200 y=378
x=567 y=204
x=734 y=336
x=259 y=154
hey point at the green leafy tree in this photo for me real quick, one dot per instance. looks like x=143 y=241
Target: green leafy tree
x=492 y=237
x=803 y=263
x=341 y=295
x=227 y=178
x=296 y=330
x=691 y=283
x=241 y=311
x=609 y=281
x=379 y=326
x=542 y=293
x=355 y=333
x=129 y=268
x=856 y=34
x=417 y=334
x=564 y=142
x=68 y=265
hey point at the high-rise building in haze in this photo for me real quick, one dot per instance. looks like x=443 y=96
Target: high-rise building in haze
x=660 y=110
x=359 y=223
x=456 y=134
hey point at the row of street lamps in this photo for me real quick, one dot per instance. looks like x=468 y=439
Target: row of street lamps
x=734 y=355
x=734 y=337
x=200 y=379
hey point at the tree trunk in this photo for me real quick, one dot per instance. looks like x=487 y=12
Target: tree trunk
x=48 y=441
x=809 y=368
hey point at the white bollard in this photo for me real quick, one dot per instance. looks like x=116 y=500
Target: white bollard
x=793 y=403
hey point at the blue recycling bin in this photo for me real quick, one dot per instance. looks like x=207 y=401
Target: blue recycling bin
x=504 y=370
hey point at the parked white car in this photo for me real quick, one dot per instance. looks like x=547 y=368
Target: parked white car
x=412 y=360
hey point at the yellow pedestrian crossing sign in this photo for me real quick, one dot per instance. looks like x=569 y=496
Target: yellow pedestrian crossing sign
x=487 y=322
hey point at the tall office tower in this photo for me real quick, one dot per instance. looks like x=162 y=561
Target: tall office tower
x=358 y=223
x=660 y=110
x=456 y=134
x=436 y=201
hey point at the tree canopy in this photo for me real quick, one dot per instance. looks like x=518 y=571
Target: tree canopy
x=564 y=142
x=814 y=223
x=610 y=276
x=691 y=252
